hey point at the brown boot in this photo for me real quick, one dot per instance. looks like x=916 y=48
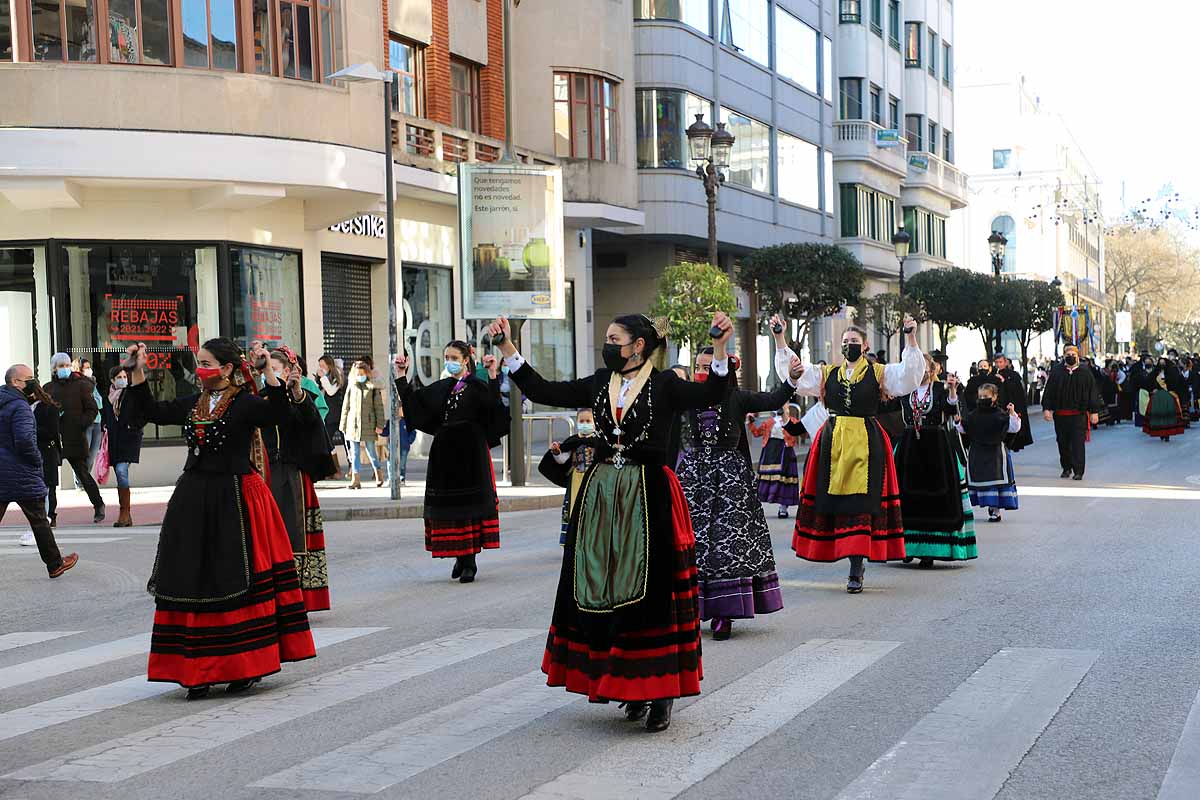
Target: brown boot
x=378 y=478
x=355 y=482
x=124 y=519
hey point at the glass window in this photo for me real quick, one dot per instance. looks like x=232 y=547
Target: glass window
x=1001 y=159
x=796 y=50
x=850 y=98
x=295 y=40
x=851 y=11
x=1008 y=228
x=304 y=59
x=828 y=207
x=160 y=293
x=948 y=146
x=933 y=137
x=209 y=34
x=263 y=15
x=330 y=14
x=7 y=50
x=50 y=17
x=947 y=68
x=799 y=171
x=266 y=296
x=912 y=130
x=586 y=123
x=464 y=91
x=750 y=160
x=689 y=12
x=139 y=31
x=663 y=116
x=849 y=209
x=745 y=26
x=894 y=23
x=827 y=69
x=867 y=214
x=933 y=53
x=893 y=112
x=407 y=62
x=428 y=318
x=24 y=309
x=876 y=105
x=912 y=44
x=877 y=17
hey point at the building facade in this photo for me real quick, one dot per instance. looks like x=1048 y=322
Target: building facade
x=1031 y=182
x=895 y=138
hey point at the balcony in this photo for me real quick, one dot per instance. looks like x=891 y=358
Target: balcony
x=928 y=171
x=861 y=140
x=425 y=144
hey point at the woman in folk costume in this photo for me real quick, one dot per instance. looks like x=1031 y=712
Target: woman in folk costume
x=939 y=524
x=228 y=604
x=849 y=498
x=1164 y=414
x=991 y=481
x=466 y=419
x=734 y=559
x=298 y=451
x=626 y=623
x=778 y=469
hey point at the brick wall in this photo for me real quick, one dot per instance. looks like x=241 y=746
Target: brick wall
x=437 y=67
x=491 y=77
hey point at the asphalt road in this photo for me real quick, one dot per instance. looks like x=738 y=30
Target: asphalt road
x=1062 y=663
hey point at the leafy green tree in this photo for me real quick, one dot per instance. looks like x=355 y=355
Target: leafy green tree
x=1027 y=309
x=803 y=282
x=688 y=296
x=948 y=298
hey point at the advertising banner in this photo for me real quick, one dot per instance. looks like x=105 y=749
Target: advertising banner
x=146 y=318
x=888 y=137
x=1124 y=321
x=511 y=241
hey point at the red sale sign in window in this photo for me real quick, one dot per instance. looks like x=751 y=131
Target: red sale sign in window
x=144 y=318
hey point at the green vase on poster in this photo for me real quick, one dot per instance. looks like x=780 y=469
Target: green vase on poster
x=537 y=254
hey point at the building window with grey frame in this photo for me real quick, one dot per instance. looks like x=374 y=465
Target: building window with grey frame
x=877 y=17
x=894 y=112
x=1001 y=159
x=850 y=11
x=799 y=164
x=933 y=137
x=796 y=50
x=894 y=23
x=750 y=159
x=947 y=64
x=850 y=98
x=876 y=105
x=912 y=45
x=663 y=116
x=745 y=28
x=933 y=53
x=912 y=130
x=693 y=13
x=948 y=146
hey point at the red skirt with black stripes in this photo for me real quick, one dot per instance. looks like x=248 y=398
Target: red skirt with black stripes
x=629 y=659
x=249 y=636
x=451 y=538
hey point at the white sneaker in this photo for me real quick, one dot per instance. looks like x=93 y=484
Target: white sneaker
x=27 y=539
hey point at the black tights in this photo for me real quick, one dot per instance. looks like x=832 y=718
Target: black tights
x=857 y=567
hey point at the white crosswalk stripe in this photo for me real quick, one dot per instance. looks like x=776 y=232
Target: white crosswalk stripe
x=398 y=753
x=51 y=666
x=17 y=550
x=11 y=641
x=77 y=705
x=717 y=727
x=1182 y=781
x=165 y=744
x=968 y=746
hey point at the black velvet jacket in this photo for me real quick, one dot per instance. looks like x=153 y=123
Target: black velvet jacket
x=431 y=408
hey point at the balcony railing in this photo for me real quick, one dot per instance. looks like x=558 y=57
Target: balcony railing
x=430 y=145
x=927 y=170
x=863 y=139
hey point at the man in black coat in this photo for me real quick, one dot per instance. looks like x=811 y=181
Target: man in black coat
x=21 y=466
x=1012 y=390
x=1070 y=400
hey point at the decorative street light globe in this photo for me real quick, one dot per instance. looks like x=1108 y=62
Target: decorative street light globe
x=997 y=243
x=901 y=241
x=700 y=135
x=722 y=146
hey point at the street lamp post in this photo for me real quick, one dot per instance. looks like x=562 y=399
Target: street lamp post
x=709 y=151
x=359 y=73
x=996 y=244
x=1057 y=284
x=900 y=241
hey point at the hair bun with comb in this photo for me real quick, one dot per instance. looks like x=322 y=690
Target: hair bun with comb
x=662 y=326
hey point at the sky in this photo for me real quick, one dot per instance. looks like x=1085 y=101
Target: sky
x=1122 y=75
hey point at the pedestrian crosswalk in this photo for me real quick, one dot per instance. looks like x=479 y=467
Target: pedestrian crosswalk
x=965 y=746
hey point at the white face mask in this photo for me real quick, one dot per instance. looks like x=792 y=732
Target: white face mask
x=88 y=372
x=120 y=383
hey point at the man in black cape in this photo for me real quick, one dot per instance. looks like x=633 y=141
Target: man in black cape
x=1012 y=390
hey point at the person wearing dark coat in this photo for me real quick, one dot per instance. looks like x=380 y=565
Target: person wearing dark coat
x=46 y=414
x=73 y=393
x=21 y=480
x=1070 y=401
x=124 y=441
x=1012 y=390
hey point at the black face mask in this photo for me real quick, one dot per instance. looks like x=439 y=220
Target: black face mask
x=613 y=358
x=985 y=403
x=29 y=389
x=852 y=352
x=1071 y=361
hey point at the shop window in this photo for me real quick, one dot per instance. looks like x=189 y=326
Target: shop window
x=586 y=122
x=407 y=63
x=63 y=30
x=210 y=34
x=464 y=91
x=346 y=301
x=266 y=296
x=428 y=318
x=162 y=293
x=663 y=116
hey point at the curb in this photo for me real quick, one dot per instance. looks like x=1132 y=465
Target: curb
x=405 y=510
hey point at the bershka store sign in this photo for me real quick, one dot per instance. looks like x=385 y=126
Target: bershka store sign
x=363 y=225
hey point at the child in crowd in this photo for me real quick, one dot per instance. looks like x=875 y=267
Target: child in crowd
x=567 y=462
x=778 y=470
x=990 y=478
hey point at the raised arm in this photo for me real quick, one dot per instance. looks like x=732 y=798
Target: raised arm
x=754 y=402
x=902 y=378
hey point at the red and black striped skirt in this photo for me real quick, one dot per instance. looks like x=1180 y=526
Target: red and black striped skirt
x=312 y=566
x=451 y=538
x=249 y=636
x=652 y=658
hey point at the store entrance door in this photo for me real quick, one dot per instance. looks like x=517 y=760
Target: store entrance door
x=346 y=307
x=18 y=312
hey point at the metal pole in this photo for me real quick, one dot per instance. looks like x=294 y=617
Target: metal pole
x=393 y=278
x=509 y=156
x=710 y=189
x=516 y=430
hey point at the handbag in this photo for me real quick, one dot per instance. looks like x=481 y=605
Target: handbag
x=101 y=466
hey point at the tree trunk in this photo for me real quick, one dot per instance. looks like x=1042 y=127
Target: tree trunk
x=987 y=341
x=944 y=335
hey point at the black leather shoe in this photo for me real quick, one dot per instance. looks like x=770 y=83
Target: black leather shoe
x=1078 y=476
x=458 y=568
x=197 y=693
x=635 y=710
x=659 y=718
x=722 y=629
x=469 y=570
x=926 y=563
x=1066 y=473
x=855 y=584
x=98 y=517
x=237 y=687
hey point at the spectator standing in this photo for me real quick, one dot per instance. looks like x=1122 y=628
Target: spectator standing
x=75 y=394
x=21 y=479
x=124 y=441
x=362 y=421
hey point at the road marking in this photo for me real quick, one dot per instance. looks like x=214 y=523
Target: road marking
x=11 y=641
x=161 y=745
x=715 y=729
x=78 y=705
x=17 y=550
x=398 y=753
x=1183 y=776
x=1112 y=493
x=50 y=666
x=968 y=746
